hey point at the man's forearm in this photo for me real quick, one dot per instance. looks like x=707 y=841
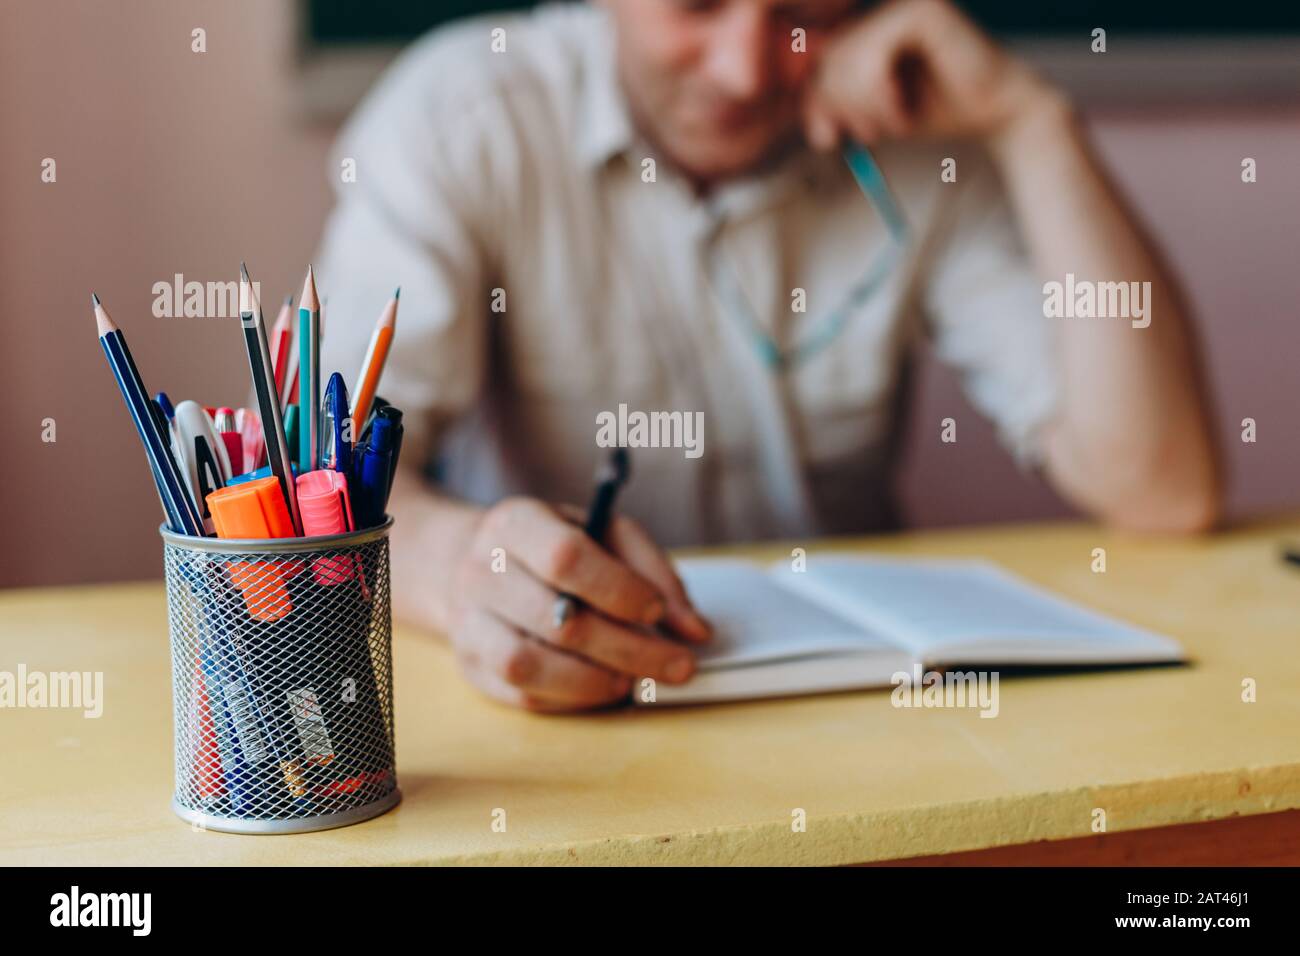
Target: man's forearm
x=1131 y=440
x=431 y=536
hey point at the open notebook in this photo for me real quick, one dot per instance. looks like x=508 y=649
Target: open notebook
x=850 y=622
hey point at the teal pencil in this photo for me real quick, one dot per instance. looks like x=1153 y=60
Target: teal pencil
x=308 y=375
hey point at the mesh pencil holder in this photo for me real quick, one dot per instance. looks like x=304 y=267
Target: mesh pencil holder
x=282 y=680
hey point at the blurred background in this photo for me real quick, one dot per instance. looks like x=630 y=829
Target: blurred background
x=172 y=162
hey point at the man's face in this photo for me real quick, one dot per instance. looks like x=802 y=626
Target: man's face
x=717 y=84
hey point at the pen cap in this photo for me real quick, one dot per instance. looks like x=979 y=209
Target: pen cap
x=373 y=475
x=323 y=502
x=394 y=415
x=381 y=435
x=251 y=509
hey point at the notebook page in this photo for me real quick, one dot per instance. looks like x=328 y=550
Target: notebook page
x=955 y=611
x=755 y=620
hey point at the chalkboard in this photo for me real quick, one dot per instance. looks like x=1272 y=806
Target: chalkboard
x=348 y=22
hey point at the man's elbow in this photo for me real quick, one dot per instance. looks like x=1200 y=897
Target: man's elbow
x=1190 y=502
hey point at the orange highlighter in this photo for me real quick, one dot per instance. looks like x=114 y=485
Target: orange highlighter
x=256 y=509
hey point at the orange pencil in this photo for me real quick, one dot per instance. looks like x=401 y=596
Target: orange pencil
x=373 y=366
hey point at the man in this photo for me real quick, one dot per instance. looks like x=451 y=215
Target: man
x=644 y=204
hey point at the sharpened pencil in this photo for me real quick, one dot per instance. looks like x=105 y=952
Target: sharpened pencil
x=282 y=342
x=308 y=375
x=268 y=403
x=372 y=367
x=182 y=512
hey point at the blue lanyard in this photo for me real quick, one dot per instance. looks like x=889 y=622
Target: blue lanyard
x=866 y=173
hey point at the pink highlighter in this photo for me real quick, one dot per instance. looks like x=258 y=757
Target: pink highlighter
x=326 y=509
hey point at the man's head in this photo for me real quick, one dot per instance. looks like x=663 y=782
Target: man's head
x=717 y=84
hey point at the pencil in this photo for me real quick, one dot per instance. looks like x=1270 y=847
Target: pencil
x=289 y=388
x=373 y=365
x=308 y=374
x=282 y=342
x=182 y=512
x=268 y=405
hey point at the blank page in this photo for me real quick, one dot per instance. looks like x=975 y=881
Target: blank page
x=971 y=611
x=756 y=620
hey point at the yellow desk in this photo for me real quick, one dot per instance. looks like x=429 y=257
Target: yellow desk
x=1152 y=748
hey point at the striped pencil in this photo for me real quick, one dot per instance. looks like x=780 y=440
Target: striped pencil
x=268 y=405
x=182 y=512
x=308 y=375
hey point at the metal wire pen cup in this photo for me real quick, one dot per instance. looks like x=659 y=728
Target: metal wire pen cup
x=282 y=680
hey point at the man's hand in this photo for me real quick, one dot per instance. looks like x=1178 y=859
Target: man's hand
x=917 y=68
x=502 y=622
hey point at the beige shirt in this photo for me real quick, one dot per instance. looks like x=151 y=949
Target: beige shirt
x=545 y=282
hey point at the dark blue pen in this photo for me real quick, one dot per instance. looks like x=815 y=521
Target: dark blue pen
x=394 y=415
x=371 y=474
x=335 y=452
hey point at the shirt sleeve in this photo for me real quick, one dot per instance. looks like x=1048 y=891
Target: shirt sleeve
x=984 y=306
x=410 y=213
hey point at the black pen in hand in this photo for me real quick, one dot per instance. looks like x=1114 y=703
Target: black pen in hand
x=610 y=477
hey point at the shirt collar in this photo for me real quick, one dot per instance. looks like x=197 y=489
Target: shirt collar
x=604 y=127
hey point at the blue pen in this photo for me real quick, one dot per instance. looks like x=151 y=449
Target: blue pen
x=371 y=473
x=394 y=415
x=336 y=436
x=165 y=404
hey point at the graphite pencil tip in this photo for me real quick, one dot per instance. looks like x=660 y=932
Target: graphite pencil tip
x=397 y=293
x=243 y=272
x=103 y=322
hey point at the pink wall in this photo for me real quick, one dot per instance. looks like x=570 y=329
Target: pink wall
x=1236 y=246
x=171 y=161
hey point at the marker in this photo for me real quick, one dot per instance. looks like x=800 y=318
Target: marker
x=327 y=509
x=255 y=510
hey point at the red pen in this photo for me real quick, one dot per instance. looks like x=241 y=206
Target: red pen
x=249 y=425
x=224 y=422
